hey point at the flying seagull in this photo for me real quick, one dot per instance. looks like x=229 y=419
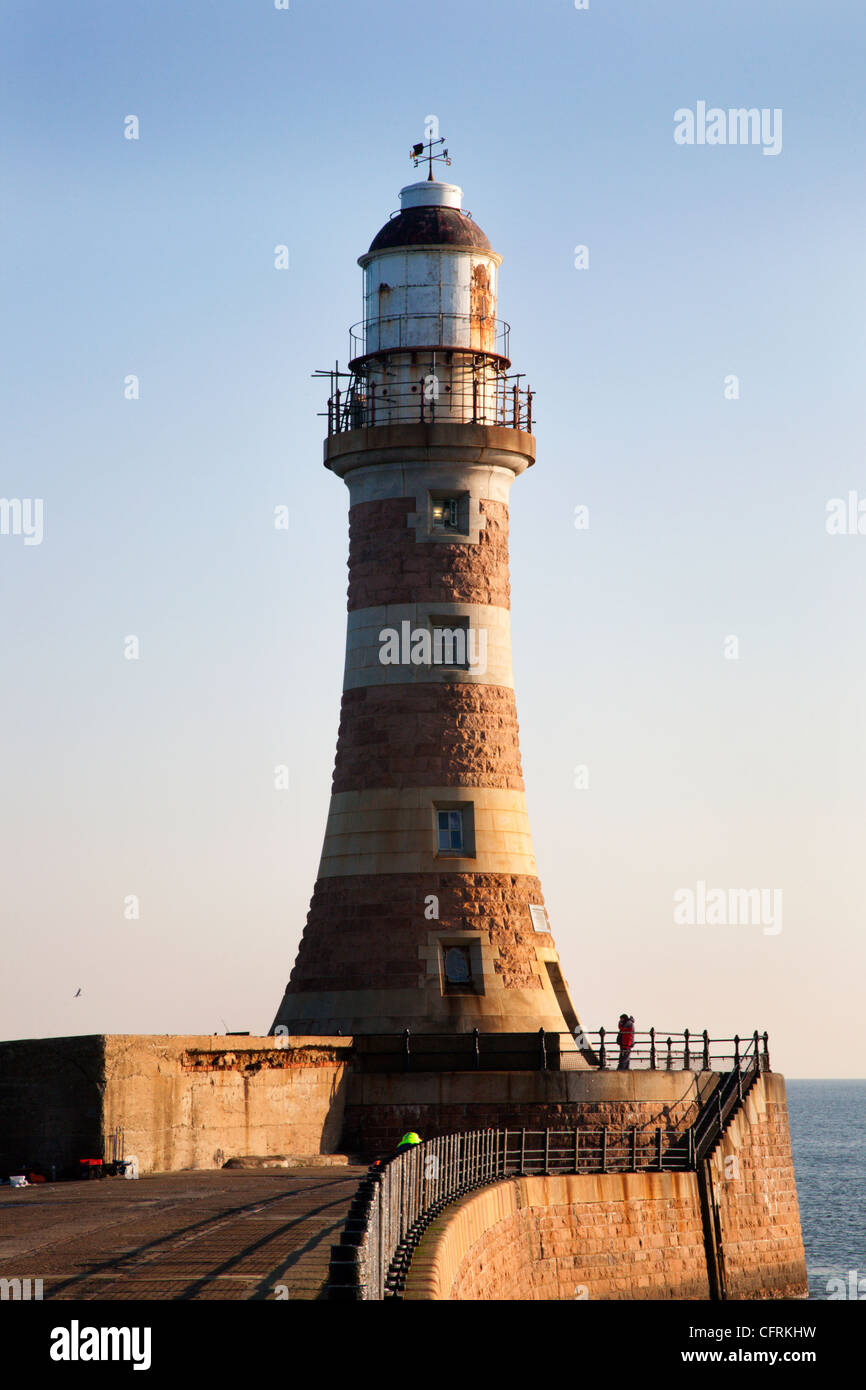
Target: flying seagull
x=76 y=994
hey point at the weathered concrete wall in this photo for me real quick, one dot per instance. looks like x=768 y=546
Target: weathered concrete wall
x=756 y=1198
x=613 y=1236
x=182 y=1102
x=193 y=1102
x=381 y=1108
x=631 y=1236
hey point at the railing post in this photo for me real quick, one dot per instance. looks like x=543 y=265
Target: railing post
x=601 y=1053
x=529 y=396
x=543 y=1049
x=634 y=1148
x=659 y=1159
x=547 y=1151
x=421 y=388
x=406 y=1049
x=652 y=1049
x=686 y=1057
x=691 y=1146
x=522 y=1152
x=670 y=1061
x=476 y=1048
x=706 y=1050
x=604 y=1150
x=736 y=1052
x=576 y=1149
x=766 y=1052
x=372 y=403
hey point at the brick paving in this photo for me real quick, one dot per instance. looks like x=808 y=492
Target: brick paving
x=226 y=1234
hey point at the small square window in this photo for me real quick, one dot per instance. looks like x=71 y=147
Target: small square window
x=539 y=918
x=450 y=826
x=458 y=967
x=454 y=829
x=457 y=973
x=445 y=513
x=449 y=512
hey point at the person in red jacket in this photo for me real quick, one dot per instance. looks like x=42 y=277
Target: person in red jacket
x=625 y=1040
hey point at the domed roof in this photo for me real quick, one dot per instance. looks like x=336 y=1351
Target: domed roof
x=430 y=226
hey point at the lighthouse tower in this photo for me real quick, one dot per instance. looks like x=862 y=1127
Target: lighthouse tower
x=427 y=912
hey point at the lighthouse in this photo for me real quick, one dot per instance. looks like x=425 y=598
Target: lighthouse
x=427 y=912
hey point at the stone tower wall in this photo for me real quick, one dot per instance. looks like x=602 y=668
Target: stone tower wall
x=416 y=739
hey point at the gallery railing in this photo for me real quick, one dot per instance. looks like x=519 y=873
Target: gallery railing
x=479 y=395
x=397 y=1201
x=442 y=331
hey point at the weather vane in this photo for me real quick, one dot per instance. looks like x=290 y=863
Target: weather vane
x=425 y=151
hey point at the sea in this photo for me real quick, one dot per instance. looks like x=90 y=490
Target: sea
x=828 y=1137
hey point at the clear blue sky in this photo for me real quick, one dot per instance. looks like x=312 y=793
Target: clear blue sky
x=155 y=257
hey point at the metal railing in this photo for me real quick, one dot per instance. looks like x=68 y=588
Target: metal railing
x=443 y=331
x=725 y=1100
x=476 y=394
x=658 y=1049
x=396 y=1202
x=654 y=1050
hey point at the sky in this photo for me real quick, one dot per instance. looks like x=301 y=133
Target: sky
x=696 y=651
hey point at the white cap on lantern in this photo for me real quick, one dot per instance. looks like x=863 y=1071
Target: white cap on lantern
x=431 y=194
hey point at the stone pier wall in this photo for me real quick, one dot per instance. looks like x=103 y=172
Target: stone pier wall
x=756 y=1198
x=613 y=1236
x=631 y=1236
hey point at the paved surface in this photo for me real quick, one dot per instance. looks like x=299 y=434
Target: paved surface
x=229 y=1234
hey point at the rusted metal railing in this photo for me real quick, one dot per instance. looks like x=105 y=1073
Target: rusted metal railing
x=432 y=392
